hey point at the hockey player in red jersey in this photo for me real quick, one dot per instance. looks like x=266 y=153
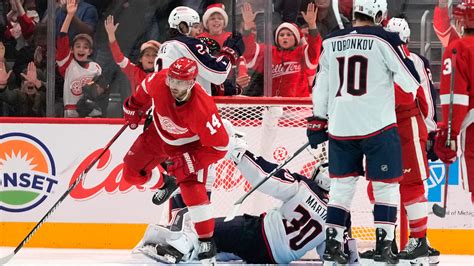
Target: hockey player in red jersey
x=458 y=62
x=187 y=132
x=280 y=235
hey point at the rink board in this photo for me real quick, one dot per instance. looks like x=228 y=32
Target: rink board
x=39 y=159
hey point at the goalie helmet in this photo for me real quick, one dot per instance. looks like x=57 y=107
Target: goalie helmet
x=183 y=14
x=321 y=177
x=400 y=26
x=376 y=9
x=464 y=13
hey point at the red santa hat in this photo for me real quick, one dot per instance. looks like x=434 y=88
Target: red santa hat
x=293 y=28
x=215 y=8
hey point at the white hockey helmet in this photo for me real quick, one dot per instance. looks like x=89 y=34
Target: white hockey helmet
x=400 y=26
x=321 y=176
x=376 y=9
x=183 y=14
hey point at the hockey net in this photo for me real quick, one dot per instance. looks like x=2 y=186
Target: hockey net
x=275 y=128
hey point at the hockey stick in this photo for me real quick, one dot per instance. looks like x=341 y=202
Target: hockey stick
x=437 y=209
x=335 y=8
x=234 y=31
x=239 y=202
x=7 y=258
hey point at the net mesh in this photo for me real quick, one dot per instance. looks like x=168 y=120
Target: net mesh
x=275 y=131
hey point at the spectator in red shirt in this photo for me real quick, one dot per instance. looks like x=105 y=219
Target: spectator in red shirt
x=290 y=58
x=148 y=53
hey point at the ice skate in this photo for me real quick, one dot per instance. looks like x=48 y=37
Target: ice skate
x=164 y=193
x=416 y=251
x=333 y=251
x=369 y=254
x=383 y=248
x=433 y=255
x=207 y=251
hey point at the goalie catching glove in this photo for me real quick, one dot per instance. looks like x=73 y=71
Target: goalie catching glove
x=132 y=113
x=317 y=131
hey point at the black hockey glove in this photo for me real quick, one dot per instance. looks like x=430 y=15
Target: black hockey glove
x=233 y=47
x=431 y=154
x=317 y=131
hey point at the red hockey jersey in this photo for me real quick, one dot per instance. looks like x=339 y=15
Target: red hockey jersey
x=463 y=100
x=194 y=127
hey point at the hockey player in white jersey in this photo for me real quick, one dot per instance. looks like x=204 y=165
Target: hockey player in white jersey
x=354 y=91
x=278 y=236
x=211 y=69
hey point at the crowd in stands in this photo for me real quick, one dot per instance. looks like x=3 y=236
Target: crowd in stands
x=104 y=49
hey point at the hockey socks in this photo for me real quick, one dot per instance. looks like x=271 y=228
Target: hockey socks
x=195 y=197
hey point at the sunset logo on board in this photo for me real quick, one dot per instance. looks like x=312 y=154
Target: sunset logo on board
x=27 y=172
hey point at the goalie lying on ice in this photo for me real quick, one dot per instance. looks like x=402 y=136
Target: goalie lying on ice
x=280 y=235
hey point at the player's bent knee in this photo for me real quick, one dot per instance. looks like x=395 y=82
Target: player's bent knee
x=412 y=193
x=386 y=193
x=134 y=177
x=193 y=193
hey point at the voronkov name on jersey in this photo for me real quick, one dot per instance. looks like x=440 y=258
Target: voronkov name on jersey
x=359 y=44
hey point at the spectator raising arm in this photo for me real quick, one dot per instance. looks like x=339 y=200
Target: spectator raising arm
x=442 y=26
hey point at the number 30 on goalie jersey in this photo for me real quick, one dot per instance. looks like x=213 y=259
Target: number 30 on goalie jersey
x=297 y=226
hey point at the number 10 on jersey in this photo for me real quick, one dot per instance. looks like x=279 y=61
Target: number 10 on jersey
x=356 y=67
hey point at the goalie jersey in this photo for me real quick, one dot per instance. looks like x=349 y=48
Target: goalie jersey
x=354 y=83
x=297 y=226
x=211 y=69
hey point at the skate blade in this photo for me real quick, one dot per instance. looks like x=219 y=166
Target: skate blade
x=433 y=260
x=210 y=261
x=150 y=253
x=382 y=263
x=423 y=261
x=368 y=262
x=332 y=263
